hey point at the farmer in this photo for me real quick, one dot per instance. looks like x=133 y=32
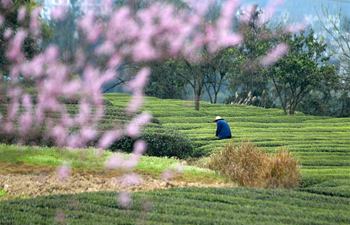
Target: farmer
x=223 y=130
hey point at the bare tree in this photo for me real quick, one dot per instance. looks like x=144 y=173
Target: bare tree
x=337 y=29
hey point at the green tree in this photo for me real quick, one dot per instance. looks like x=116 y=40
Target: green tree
x=30 y=46
x=302 y=70
x=164 y=82
x=246 y=78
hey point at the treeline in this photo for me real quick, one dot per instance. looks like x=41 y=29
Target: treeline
x=308 y=78
x=312 y=77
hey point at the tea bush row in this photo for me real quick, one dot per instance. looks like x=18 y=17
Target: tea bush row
x=183 y=206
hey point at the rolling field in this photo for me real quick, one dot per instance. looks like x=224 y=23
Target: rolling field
x=321 y=144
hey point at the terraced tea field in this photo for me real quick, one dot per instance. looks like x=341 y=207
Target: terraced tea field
x=321 y=144
x=202 y=206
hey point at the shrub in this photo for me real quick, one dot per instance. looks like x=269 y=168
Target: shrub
x=160 y=142
x=245 y=164
x=250 y=166
x=284 y=171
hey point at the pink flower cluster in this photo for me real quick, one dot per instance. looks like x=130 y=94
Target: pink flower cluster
x=275 y=54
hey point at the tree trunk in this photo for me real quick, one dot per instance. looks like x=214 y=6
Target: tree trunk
x=197 y=98
x=216 y=97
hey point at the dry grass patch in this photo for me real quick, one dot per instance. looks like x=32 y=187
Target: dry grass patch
x=249 y=166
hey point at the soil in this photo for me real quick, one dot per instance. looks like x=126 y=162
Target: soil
x=28 y=181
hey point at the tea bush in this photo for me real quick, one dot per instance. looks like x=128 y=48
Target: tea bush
x=204 y=206
x=160 y=142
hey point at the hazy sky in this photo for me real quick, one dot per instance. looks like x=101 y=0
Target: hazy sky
x=298 y=9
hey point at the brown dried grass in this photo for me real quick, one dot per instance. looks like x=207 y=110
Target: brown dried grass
x=284 y=171
x=249 y=166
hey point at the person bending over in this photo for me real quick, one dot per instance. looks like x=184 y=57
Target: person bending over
x=223 y=130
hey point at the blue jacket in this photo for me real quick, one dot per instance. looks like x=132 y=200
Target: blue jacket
x=223 y=129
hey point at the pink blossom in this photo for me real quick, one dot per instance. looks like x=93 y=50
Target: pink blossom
x=27 y=103
x=294 y=28
x=71 y=88
x=6 y=3
x=131 y=162
x=226 y=39
x=25 y=122
x=227 y=14
x=88 y=133
x=91 y=29
x=167 y=175
x=14 y=52
x=275 y=54
x=114 y=162
x=64 y=171
x=143 y=50
x=21 y=13
x=140 y=80
x=59 y=13
x=33 y=68
x=269 y=11
x=13 y=109
x=107 y=75
x=130 y=179
x=74 y=141
x=8 y=32
x=135 y=103
x=140 y=147
x=108 y=138
x=60 y=134
x=133 y=129
x=8 y=127
x=51 y=53
x=124 y=199
x=34 y=21
x=107 y=6
x=114 y=61
x=107 y=48
x=84 y=113
x=172 y=172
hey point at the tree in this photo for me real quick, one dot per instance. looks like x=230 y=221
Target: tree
x=219 y=69
x=246 y=81
x=336 y=29
x=67 y=25
x=164 y=82
x=10 y=25
x=304 y=68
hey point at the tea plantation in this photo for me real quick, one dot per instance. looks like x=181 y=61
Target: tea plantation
x=183 y=206
x=321 y=144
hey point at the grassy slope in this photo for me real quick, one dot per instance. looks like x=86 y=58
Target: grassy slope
x=321 y=144
x=184 y=206
x=86 y=160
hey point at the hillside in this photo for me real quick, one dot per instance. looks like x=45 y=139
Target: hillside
x=321 y=144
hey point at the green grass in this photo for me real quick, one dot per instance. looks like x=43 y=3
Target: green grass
x=2 y=193
x=319 y=143
x=202 y=206
x=87 y=160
